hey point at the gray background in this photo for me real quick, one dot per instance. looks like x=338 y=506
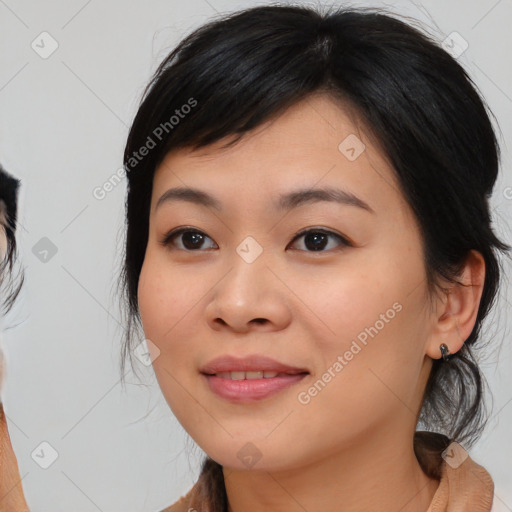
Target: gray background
x=63 y=125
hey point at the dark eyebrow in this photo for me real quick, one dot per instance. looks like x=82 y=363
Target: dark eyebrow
x=306 y=196
x=191 y=195
x=285 y=202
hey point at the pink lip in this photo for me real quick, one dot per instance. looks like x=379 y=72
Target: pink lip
x=253 y=362
x=250 y=390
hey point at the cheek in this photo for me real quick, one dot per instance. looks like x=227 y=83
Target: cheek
x=166 y=296
x=368 y=331
x=376 y=296
x=353 y=302
x=166 y=300
x=364 y=379
x=169 y=303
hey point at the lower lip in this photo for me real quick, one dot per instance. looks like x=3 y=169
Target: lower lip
x=251 y=390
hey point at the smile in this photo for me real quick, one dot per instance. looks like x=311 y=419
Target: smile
x=250 y=375
x=247 y=387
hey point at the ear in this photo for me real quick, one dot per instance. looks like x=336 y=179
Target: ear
x=455 y=313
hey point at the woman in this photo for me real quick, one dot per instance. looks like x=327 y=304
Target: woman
x=11 y=492
x=310 y=255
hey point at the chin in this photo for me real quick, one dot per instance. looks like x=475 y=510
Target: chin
x=240 y=454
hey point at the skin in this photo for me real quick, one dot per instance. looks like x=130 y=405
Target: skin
x=353 y=442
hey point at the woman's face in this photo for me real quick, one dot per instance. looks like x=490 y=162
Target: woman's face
x=353 y=315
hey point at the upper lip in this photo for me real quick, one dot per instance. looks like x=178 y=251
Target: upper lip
x=256 y=362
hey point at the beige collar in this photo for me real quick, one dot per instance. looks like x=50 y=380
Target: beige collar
x=466 y=487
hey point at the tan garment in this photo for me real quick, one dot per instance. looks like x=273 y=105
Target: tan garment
x=11 y=492
x=467 y=488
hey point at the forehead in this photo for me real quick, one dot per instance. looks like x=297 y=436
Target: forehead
x=317 y=141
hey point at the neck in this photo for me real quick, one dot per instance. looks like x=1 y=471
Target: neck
x=379 y=472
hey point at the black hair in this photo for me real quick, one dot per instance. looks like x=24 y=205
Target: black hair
x=10 y=284
x=245 y=68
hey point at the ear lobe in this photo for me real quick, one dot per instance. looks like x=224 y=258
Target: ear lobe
x=459 y=308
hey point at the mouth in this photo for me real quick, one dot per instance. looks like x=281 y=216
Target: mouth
x=251 y=378
x=254 y=375
x=241 y=387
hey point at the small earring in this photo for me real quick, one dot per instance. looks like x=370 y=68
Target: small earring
x=445 y=352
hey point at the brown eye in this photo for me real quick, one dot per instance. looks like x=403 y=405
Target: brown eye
x=316 y=240
x=191 y=239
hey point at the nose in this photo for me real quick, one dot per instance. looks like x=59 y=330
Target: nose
x=249 y=297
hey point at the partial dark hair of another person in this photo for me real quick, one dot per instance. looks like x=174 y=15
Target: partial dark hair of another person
x=11 y=490
x=10 y=285
x=415 y=98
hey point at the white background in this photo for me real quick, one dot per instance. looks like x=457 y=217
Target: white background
x=63 y=125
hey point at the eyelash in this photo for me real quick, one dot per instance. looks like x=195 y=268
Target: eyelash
x=179 y=231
